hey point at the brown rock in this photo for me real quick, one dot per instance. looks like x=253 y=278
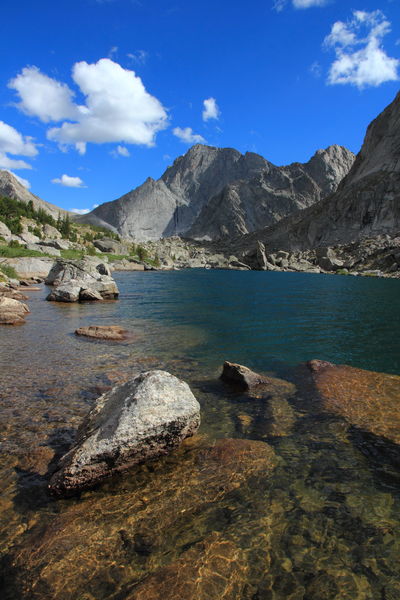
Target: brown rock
x=213 y=569
x=7 y=292
x=103 y=332
x=147 y=523
x=12 y=312
x=366 y=399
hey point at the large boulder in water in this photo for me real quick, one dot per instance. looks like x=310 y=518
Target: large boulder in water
x=142 y=419
x=86 y=279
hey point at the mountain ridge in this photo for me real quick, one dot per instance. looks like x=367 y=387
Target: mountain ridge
x=172 y=204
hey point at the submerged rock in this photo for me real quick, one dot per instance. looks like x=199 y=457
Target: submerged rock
x=12 y=312
x=215 y=568
x=366 y=399
x=148 y=522
x=142 y=419
x=103 y=332
x=81 y=280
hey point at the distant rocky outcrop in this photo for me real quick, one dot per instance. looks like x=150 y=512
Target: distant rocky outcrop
x=10 y=187
x=88 y=279
x=216 y=192
x=367 y=202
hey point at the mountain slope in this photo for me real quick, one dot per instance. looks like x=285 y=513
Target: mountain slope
x=213 y=192
x=367 y=202
x=10 y=187
x=276 y=192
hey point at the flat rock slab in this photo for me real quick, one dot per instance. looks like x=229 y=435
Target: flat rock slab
x=145 y=418
x=366 y=399
x=103 y=332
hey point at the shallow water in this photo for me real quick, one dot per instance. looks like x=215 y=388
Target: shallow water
x=324 y=525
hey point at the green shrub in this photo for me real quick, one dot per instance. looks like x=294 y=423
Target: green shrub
x=12 y=210
x=142 y=253
x=14 y=244
x=9 y=271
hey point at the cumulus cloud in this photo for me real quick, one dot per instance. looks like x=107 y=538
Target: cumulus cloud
x=279 y=5
x=211 y=110
x=13 y=142
x=117 y=106
x=67 y=181
x=188 y=136
x=121 y=151
x=43 y=97
x=360 y=58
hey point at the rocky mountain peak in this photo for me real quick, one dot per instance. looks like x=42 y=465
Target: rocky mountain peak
x=214 y=192
x=366 y=203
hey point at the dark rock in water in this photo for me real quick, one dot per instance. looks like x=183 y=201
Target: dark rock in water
x=366 y=399
x=145 y=523
x=12 y=312
x=103 y=332
x=142 y=419
x=246 y=379
x=241 y=376
x=81 y=280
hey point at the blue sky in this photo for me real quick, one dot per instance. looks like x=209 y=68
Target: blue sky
x=97 y=95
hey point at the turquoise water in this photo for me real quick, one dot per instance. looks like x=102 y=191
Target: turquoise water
x=264 y=319
x=324 y=526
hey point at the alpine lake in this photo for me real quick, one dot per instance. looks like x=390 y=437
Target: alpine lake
x=276 y=498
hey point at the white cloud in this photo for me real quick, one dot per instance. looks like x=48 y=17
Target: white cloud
x=117 y=107
x=13 y=142
x=67 y=181
x=186 y=135
x=120 y=151
x=43 y=97
x=279 y=5
x=83 y=211
x=309 y=3
x=11 y=163
x=360 y=58
x=211 y=110
x=22 y=181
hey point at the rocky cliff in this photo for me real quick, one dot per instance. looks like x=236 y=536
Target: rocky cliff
x=212 y=193
x=367 y=202
x=10 y=187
